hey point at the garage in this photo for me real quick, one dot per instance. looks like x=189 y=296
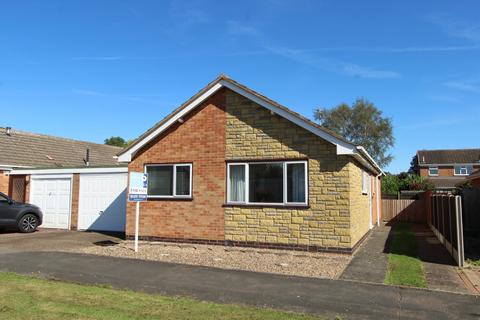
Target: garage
x=52 y=193
x=102 y=202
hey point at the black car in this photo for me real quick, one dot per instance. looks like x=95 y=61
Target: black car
x=22 y=216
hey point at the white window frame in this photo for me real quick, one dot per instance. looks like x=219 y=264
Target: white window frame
x=461 y=166
x=247 y=183
x=174 y=180
x=431 y=174
x=365 y=182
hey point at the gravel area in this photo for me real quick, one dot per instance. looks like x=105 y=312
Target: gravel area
x=318 y=265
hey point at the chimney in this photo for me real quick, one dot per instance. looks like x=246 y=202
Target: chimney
x=8 y=131
x=87 y=158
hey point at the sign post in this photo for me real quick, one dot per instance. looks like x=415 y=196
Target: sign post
x=137 y=192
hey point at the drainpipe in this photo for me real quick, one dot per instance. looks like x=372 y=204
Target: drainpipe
x=379 y=191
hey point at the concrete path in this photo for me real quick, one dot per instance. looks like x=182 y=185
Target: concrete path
x=440 y=269
x=351 y=300
x=370 y=261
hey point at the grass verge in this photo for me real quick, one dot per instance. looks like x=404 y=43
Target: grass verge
x=404 y=266
x=23 y=297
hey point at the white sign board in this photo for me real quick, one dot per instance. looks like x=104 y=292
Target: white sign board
x=137 y=187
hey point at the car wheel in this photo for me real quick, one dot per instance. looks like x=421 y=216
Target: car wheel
x=28 y=223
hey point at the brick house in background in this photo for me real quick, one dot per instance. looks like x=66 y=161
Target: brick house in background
x=447 y=168
x=231 y=166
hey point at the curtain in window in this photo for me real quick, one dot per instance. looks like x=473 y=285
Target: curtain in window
x=237 y=183
x=296 y=182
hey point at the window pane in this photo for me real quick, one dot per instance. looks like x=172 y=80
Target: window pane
x=266 y=182
x=183 y=181
x=296 y=182
x=160 y=180
x=469 y=169
x=433 y=171
x=237 y=183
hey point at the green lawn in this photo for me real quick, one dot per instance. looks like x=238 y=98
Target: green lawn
x=404 y=266
x=23 y=297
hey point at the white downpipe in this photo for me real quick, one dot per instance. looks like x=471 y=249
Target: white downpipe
x=378 y=198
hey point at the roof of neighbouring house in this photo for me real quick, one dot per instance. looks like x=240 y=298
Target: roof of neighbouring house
x=227 y=82
x=474 y=175
x=446 y=182
x=453 y=156
x=26 y=149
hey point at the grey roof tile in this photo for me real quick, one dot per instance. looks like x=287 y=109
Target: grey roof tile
x=38 y=150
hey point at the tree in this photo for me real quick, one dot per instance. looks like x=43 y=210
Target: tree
x=414 y=168
x=362 y=124
x=390 y=184
x=116 y=141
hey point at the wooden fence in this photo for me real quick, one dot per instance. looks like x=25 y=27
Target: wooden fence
x=445 y=220
x=407 y=210
x=471 y=211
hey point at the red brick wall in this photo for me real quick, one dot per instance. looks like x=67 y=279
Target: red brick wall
x=476 y=182
x=201 y=141
x=443 y=171
x=4 y=182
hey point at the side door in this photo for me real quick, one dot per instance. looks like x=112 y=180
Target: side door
x=8 y=211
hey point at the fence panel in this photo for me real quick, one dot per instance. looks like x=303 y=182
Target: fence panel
x=471 y=210
x=446 y=222
x=407 y=210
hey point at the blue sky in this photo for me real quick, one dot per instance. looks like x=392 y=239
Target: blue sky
x=92 y=69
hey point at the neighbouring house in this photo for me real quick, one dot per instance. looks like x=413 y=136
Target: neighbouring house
x=447 y=168
x=77 y=184
x=230 y=166
x=474 y=179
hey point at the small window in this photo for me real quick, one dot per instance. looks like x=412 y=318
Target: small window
x=463 y=170
x=169 y=180
x=365 y=182
x=433 y=171
x=265 y=183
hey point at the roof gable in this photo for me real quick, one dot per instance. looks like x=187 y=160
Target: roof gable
x=343 y=146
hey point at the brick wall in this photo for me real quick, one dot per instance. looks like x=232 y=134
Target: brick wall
x=443 y=171
x=254 y=133
x=359 y=205
x=4 y=182
x=201 y=141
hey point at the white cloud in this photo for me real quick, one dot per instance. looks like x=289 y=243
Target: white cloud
x=455 y=27
x=238 y=28
x=468 y=86
x=332 y=65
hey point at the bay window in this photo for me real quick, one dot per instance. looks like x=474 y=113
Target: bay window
x=275 y=183
x=169 y=180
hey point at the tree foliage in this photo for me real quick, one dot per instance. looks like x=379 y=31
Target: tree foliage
x=414 y=168
x=116 y=141
x=362 y=124
x=394 y=183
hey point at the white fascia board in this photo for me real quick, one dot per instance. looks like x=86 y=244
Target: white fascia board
x=127 y=156
x=69 y=171
x=52 y=176
x=367 y=155
x=342 y=146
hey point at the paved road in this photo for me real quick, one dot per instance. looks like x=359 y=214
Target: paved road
x=353 y=300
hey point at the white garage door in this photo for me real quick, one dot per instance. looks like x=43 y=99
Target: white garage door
x=52 y=195
x=102 y=202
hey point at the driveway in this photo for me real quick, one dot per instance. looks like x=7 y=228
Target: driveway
x=50 y=240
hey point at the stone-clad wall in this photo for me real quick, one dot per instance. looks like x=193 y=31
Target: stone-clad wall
x=359 y=205
x=254 y=133
x=4 y=182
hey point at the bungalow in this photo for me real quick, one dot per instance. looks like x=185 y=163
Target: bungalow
x=77 y=184
x=230 y=166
